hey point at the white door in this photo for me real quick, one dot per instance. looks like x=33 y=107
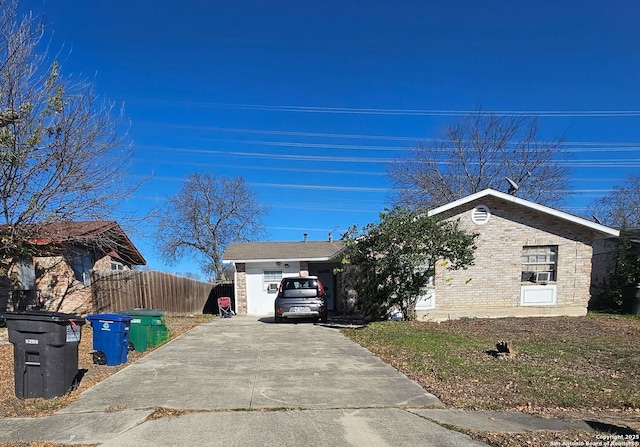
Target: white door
x=259 y=298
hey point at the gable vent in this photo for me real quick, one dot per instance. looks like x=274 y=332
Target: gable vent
x=480 y=215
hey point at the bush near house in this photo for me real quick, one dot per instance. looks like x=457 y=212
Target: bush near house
x=623 y=272
x=390 y=264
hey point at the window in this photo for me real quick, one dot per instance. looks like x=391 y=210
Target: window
x=82 y=263
x=539 y=263
x=116 y=266
x=272 y=280
x=272 y=275
x=300 y=283
x=26 y=274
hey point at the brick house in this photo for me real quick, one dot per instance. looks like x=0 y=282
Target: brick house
x=58 y=278
x=259 y=267
x=531 y=260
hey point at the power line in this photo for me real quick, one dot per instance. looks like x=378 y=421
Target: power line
x=271 y=155
x=386 y=111
x=567 y=144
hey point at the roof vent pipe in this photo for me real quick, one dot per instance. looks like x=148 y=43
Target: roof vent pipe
x=304 y=235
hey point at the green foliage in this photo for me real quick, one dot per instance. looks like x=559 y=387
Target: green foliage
x=624 y=271
x=626 y=263
x=390 y=263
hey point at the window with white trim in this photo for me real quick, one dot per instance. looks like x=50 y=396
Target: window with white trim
x=271 y=280
x=539 y=263
x=116 y=265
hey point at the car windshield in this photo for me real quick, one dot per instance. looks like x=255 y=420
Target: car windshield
x=305 y=283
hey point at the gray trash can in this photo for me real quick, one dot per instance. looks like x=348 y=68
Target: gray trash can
x=45 y=352
x=631 y=299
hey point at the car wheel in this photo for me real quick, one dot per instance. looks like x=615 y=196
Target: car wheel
x=325 y=317
x=277 y=319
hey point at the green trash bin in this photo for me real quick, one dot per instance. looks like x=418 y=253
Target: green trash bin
x=148 y=328
x=159 y=332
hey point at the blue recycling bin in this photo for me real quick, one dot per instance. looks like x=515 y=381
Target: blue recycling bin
x=110 y=338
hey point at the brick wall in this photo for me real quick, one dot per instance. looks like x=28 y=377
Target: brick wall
x=58 y=288
x=241 y=289
x=491 y=287
x=304 y=268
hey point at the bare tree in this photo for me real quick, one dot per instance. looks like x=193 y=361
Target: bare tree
x=621 y=207
x=481 y=151
x=205 y=216
x=62 y=156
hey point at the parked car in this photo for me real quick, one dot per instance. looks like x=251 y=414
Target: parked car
x=300 y=297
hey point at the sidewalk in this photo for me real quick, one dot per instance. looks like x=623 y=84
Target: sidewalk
x=248 y=382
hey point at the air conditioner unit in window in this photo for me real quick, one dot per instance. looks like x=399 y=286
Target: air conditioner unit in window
x=543 y=276
x=272 y=288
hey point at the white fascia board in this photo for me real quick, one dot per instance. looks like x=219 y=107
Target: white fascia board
x=246 y=261
x=603 y=229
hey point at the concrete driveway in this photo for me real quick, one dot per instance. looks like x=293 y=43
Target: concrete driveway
x=248 y=382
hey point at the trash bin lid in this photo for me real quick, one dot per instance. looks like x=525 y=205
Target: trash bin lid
x=120 y=318
x=42 y=315
x=143 y=312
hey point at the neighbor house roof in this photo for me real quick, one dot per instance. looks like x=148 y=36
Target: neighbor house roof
x=633 y=233
x=282 y=251
x=107 y=234
x=597 y=228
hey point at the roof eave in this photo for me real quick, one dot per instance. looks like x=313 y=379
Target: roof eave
x=245 y=261
x=598 y=228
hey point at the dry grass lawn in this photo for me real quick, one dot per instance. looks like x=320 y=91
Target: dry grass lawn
x=587 y=368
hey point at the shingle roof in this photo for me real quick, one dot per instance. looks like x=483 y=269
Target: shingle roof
x=114 y=238
x=282 y=251
x=61 y=231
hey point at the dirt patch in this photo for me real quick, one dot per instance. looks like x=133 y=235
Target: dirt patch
x=42 y=444
x=537 y=439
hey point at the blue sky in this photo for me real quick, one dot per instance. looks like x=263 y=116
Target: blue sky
x=309 y=101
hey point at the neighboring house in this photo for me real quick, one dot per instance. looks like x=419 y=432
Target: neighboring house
x=259 y=267
x=59 y=277
x=603 y=255
x=531 y=260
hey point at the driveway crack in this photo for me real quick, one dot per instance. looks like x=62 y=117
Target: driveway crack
x=255 y=374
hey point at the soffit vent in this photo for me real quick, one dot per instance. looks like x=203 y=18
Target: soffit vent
x=480 y=215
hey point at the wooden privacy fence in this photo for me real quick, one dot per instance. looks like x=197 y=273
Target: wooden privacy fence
x=177 y=295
